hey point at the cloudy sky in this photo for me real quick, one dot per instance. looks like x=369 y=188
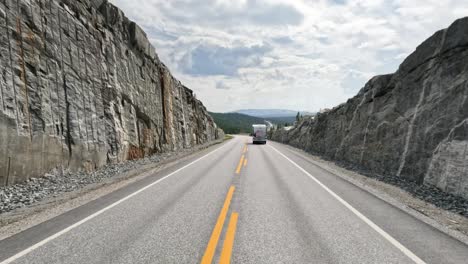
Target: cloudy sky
x=292 y=54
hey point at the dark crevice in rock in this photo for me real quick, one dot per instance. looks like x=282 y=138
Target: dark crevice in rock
x=163 y=107
x=68 y=136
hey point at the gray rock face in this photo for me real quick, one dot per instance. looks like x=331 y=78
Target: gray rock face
x=412 y=124
x=81 y=86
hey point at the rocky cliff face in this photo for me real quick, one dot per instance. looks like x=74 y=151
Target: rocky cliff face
x=411 y=124
x=81 y=86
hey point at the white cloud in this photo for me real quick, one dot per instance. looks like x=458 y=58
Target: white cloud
x=297 y=54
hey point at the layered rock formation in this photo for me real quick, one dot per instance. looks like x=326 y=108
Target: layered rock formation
x=81 y=86
x=411 y=124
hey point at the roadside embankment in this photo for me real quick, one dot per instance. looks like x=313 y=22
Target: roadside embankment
x=42 y=198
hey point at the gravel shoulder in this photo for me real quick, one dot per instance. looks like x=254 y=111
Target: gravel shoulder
x=37 y=200
x=449 y=222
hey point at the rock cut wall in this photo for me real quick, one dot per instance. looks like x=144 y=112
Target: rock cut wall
x=411 y=124
x=81 y=86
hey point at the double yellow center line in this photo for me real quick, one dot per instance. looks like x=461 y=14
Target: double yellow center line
x=228 y=244
x=230 y=234
x=239 y=166
x=229 y=240
x=242 y=161
x=211 y=248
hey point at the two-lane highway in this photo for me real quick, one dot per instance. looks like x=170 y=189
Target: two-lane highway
x=238 y=203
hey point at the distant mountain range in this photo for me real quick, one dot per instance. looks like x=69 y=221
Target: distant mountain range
x=235 y=123
x=268 y=113
x=241 y=121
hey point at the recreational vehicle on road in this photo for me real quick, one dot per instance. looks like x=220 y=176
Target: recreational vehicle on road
x=259 y=134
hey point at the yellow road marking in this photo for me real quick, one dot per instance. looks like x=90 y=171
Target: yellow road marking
x=211 y=248
x=245 y=162
x=229 y=241
x=245 y=149
x=239 y=166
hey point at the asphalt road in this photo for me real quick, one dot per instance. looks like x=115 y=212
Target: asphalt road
x=238 y=203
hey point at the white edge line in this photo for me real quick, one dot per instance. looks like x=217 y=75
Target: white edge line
x=54 y=236
x=379 y=230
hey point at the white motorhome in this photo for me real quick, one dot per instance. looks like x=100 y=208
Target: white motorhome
x=259 y=134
